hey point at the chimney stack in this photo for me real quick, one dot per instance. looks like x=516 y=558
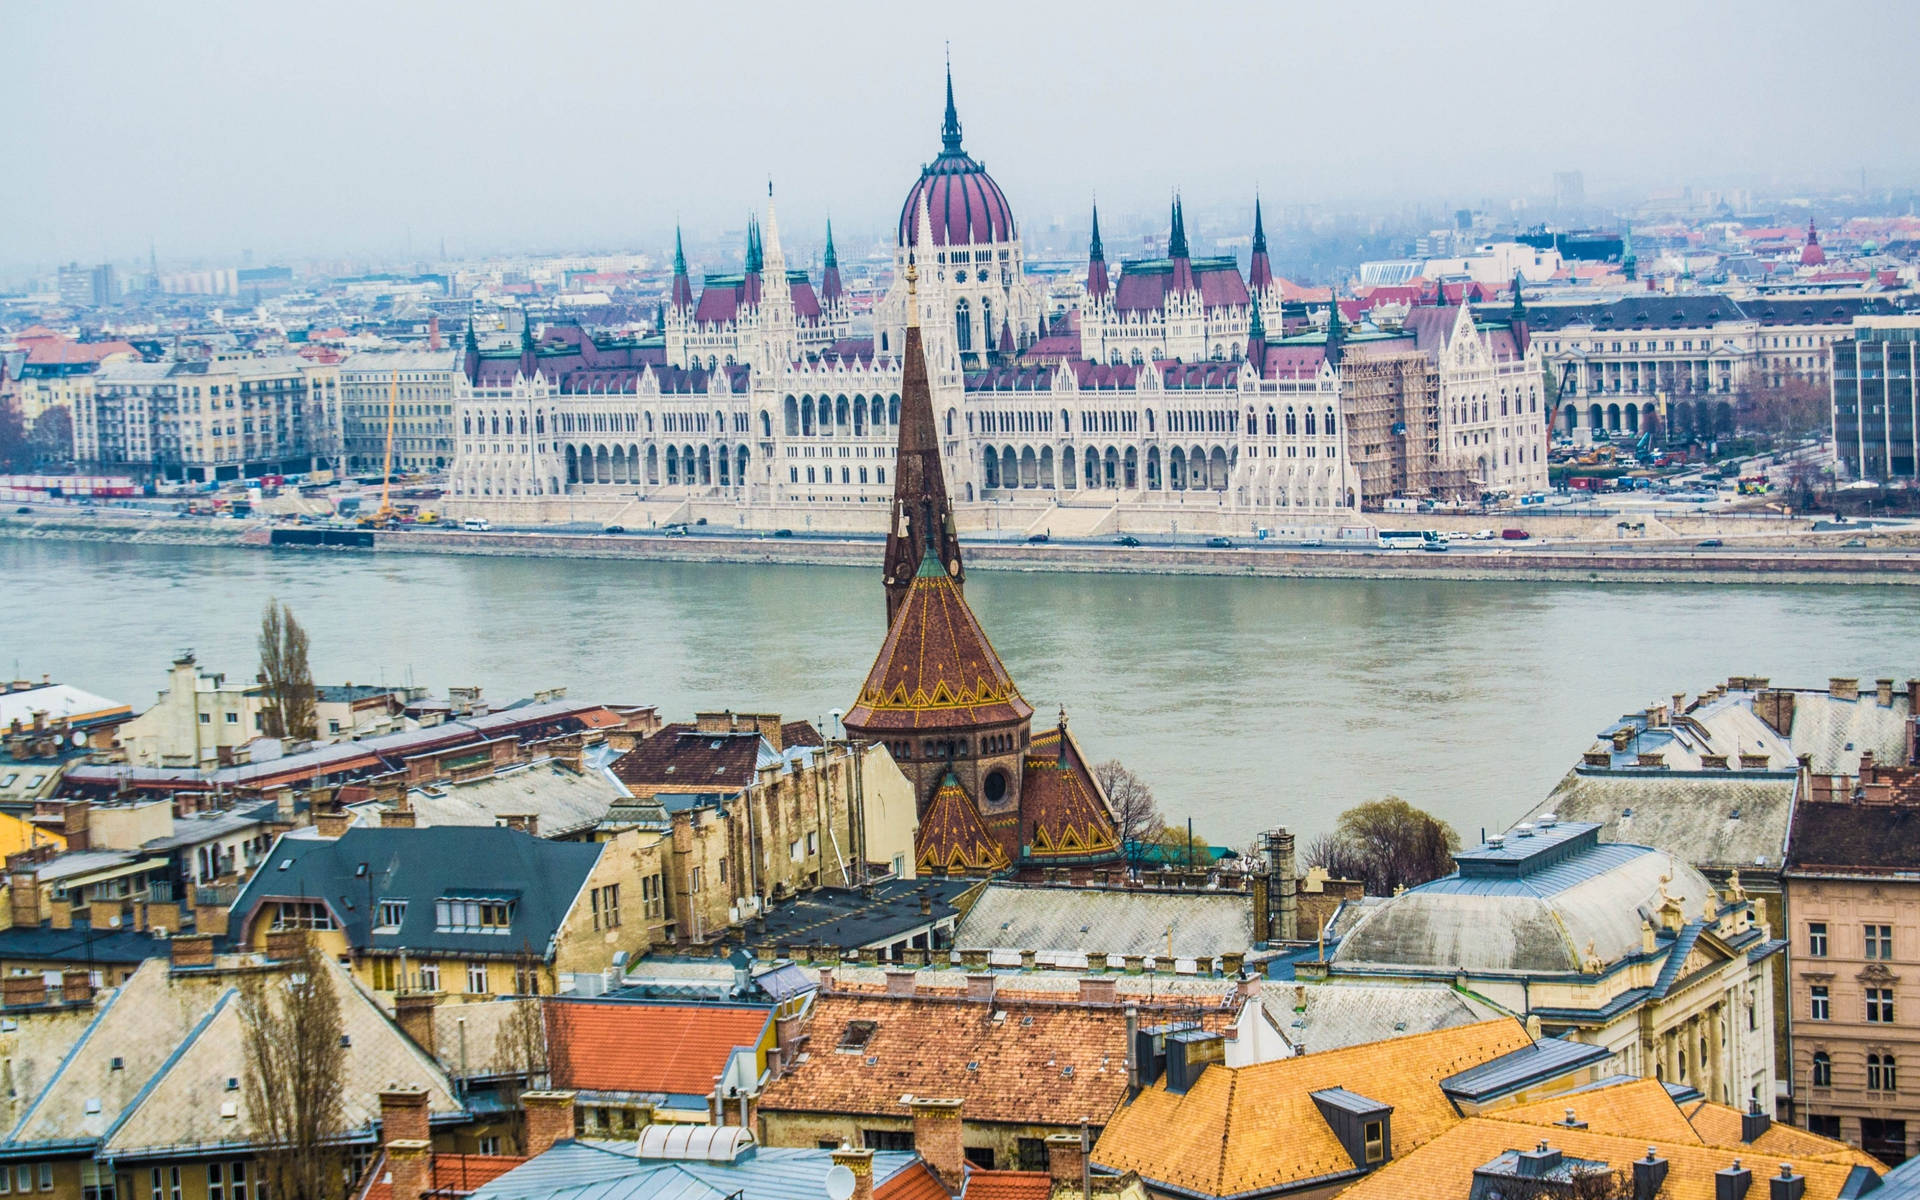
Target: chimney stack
x=1066 y=1159
x=937 y=1135
x=1843 y=689
x=1786 y=1185
x=899 y=983
x=1883 y=692
x=191 y=950
x=1731 y=1183
x=1753 y=1122
x=981 y=986
x=549 y=1119
x=860 y=1162
x=1649 y=1174
x=413 y=1013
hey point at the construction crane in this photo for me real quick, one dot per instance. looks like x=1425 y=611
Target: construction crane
x=384 y=515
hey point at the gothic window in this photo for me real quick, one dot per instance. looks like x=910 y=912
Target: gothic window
x=963 y=326
x=987 y=331
x=1291 y=430
x=1309 y=422
x=995 y=788
x=1270 y=423
x=1253 y=425
x=766 y=422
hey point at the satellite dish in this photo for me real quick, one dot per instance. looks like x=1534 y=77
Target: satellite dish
x=79 y=738
x=840 y=1183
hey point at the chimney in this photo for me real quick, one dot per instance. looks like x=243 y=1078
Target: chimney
x=332 y=824
x=1649 y=1174
x=1065 y=1161
x=1753 y=1122
x=62 y=913
x=410 y=1167
x=413 y=1013
x=403 y=1116
x=191 y=950
x=1133 y=1055
x=210 y=918
x=285 y=945
x=937 y=1136
x=980 y=986
x=1755 y=762
x=76 y=986
x=1713 y=762
x=1649 y=758
x=23 y=991
x=1731 y=1183
x=899 y=983
x=398 y=818
x=1786 y=1185
x=860 y=1162
x=433 y=331
x=1098 y=989
x=1232 y=963
x=1843 y=689
x=1284 y=887
x=1596 y=758
x=549 y=1119
x=23 y=889
x=1883 y=692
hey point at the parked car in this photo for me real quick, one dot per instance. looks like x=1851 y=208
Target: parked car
x=1126 y=539
x=676 y=531
x=1484 y=535
x=475 y=525
x=1849 y=544
x=1437 y=546
x=23 y=510
x=1711 y=544
x=783 y=533
x=615 y=529
x=1038 y=539
x=1220 y=543
x=1311 y=543
x=1514 y=535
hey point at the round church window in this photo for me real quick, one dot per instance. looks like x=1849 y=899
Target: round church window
x=996 y=786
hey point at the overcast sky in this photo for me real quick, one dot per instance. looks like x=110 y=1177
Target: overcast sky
x=294 y=130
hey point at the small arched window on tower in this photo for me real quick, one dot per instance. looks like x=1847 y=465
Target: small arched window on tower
x=963 y=326
x=1270 y=423
x=1309 y=423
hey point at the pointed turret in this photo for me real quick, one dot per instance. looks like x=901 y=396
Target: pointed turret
x=1811 y=255
x=1259 y=271
x=1177 y=251
x=830 y=289
x=471 y=359
x=1517 y=317
x=529 y=352
x=1006 y=337
x=922 y=517
x=682 y=286
x=950 y=126
x=1629 y=264
x=1097 y=283
x=1257 y=337
x=1335 y=334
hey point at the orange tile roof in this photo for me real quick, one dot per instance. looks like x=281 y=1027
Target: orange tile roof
x=623 y=1046
x=936 y=670
x=453 y=1174
x=1007 y=1185
x=1719 y=1125
x=1257 y=1128
x=1443 y=1168
x=915 y=1182
x=61 y=351
x=1048 y=1064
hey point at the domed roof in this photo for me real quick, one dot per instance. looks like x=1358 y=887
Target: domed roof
x=964 y=205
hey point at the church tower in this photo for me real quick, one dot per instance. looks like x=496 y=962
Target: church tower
x=922 y=518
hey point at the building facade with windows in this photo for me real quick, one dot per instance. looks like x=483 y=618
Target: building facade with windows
x=209 y=419
x=1853 y=894
x=1182 y=400
x=1876 y=398
x=419 y=384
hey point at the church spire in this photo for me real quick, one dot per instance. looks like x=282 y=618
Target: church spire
x=682 y=286
x=1259 y=270
x=832 y=260
x=830 y=289
x=922 y=516
x=1097 y=284
x=950 y=127
x=1257 y=338
x=1519 y=310
x=1335 y=335
x=1177 y=238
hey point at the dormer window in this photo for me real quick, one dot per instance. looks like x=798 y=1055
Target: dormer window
x=475 y=914
x=1375 y=1141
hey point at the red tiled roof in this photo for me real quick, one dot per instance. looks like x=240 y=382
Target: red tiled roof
x=1007 y=1185
x=616 y=1046
x=453 y=1174
x=58 y=351
x=679 y=758
x=1060 y=801
x=913 y=1182
x=953 y=838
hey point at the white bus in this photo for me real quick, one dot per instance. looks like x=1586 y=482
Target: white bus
x=1408 y=539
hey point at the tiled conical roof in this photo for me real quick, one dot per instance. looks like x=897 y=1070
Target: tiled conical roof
x=952 y=836
x=936 y=670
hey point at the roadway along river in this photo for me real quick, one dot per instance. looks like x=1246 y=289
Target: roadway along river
x=1246 y=703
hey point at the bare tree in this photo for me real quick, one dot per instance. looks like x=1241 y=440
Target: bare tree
x=16 y=451
x=286 y=676
x=296 y=1068
x=52 y=435
x=1594 y=1182
x=1388 y=844
x=1135 y=814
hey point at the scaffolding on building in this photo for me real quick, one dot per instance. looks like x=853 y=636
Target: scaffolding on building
x=1391 y=404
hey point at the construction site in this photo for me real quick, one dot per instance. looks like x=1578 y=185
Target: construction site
x=1390 y=401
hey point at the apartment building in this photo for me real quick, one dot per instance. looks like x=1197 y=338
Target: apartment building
x=419 y=384
x=220 y=418
x=1876 y=398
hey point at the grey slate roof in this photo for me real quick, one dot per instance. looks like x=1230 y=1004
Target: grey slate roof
x=1328 y=1016
x=1071 y=920
x=1688 y=814
x=563 y=801
x=847 y=919
x=358 y=870
x=80 y=944
x=1547 y=1058
x=580 y=1170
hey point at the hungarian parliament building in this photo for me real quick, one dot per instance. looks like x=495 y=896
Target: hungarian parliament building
x=1177 y=393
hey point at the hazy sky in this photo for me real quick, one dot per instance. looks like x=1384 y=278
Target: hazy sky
x=296 y=130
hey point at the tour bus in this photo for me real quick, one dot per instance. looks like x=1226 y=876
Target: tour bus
x=1408 y=539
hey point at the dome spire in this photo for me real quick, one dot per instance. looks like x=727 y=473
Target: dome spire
x=950 y=127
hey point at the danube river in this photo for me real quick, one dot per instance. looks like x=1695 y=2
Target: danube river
x=1245 y=702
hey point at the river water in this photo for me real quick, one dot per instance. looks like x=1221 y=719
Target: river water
x=1246 y=703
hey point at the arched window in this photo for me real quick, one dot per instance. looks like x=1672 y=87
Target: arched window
x=1329 y=420
x=1309 y=422
x=1270 y=422
x=963 y=326
x=1291 y=430
x=766 y=423
x=1880 y=1073
x=987 y=331
x=1822 y=1069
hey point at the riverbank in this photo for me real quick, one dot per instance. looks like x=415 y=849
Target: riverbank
x=1581 y=562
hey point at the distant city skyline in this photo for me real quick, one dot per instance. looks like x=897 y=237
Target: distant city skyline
x=494 y=127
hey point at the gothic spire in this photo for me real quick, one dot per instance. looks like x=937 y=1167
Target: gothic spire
x=679 y=252
x=832 y=260
x=1519 y=310
x=1256 y=328
x=754 y=261
x=1177 y=240
x=1096 y=252
x=1259 y=270
x=682 y=286
x=922 y=516
x=1259 y=230
x=1334 y=333
x=1097 y=285
x=473 y=342
x=950 y=127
